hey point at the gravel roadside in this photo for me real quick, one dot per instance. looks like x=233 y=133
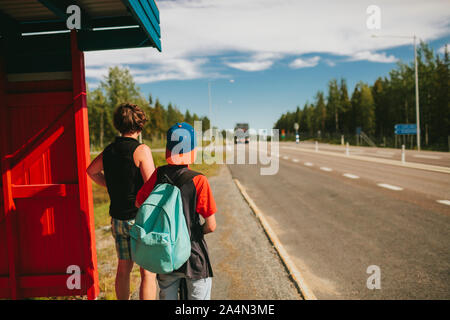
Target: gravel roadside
x=245 y=264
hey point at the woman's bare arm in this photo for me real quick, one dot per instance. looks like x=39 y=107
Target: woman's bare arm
x=95 y=170
x=144 y=160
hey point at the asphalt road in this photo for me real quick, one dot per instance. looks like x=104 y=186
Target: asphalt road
x=338 y=216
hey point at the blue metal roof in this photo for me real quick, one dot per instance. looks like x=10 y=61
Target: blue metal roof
x=106 y=24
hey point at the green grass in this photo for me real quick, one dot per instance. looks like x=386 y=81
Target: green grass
x=156 y=143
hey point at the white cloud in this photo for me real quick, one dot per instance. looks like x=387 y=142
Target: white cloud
x=258 y=62
x=330 y=63
x=156 y=68
x=96 y=73
x=374 y=57
x=442 y=49
x=250 y=66
x=304 y=63
x=262 y=32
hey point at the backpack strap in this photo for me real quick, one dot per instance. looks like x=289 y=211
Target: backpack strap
x=184 y=176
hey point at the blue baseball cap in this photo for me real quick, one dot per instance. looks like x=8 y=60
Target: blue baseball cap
x=181 y=144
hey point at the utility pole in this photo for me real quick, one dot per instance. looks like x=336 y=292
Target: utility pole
x=210 y=104
x=416 y=67
x=417 y=95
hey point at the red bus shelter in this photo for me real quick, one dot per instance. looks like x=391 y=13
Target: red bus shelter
x=46 y=216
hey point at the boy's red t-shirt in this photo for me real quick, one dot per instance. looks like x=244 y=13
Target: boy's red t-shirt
x=206 y=205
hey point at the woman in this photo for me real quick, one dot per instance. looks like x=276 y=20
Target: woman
x=123 y=167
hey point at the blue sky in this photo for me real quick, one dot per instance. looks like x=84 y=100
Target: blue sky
x=277 y=54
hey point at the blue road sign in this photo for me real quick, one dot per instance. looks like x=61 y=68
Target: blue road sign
x=358 y=130
x=405 y=129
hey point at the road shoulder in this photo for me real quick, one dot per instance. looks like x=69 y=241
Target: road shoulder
x=245 y=264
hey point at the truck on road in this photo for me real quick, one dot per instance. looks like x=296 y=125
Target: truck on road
x=241 y=134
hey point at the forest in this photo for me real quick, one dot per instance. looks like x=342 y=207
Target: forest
x=376 y=108
x=119 y=87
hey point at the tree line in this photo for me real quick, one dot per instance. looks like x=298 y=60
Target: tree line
x=119 y=87
x=377 y=108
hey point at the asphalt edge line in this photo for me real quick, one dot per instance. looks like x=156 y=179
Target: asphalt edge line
x=296 y=276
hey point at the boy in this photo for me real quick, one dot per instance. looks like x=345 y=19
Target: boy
x=122 y=168
x=197 y=201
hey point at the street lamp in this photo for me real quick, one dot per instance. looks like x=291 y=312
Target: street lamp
x=210 y=104
x=417 y=80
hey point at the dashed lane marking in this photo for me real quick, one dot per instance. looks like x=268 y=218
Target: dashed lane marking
x=446 y=202
x=390 y=187
x=350 y=176
x=308 y=164
x=326 y=169
x=426 y=156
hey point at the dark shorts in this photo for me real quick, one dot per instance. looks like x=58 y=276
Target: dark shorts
x=121 y=232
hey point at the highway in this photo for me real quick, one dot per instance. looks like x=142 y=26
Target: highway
x=337 y=216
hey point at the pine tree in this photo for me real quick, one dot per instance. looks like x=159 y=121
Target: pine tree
x=320 y=112
x=333 y=106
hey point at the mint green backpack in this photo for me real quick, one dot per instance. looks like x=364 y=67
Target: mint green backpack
x=160 y=240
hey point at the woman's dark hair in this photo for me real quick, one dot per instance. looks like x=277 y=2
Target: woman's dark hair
x=129 y=118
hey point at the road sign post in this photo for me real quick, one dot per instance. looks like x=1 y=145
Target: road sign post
x=297 y=136
x=405 y=129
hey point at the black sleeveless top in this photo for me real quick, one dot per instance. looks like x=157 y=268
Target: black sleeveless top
x=123 y=178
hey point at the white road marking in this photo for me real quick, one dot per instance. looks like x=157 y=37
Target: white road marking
x=286 y=158
x=426 y=157
x=446 y=202
x=308 y=164
x=295 y=160
x=351 y=176
x=390 y=187
x=326 y=169
x=386 y=153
